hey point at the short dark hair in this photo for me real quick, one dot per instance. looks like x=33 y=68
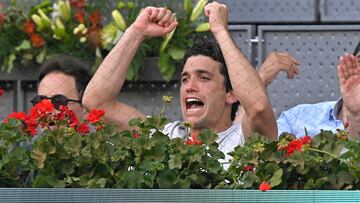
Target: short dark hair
x=207 y=46
x=70 y=66
x=357 y=49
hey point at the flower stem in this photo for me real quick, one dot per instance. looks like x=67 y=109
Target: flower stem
x=328 y=153
x=162 y=113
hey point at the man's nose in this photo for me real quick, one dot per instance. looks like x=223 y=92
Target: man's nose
x=191 y=85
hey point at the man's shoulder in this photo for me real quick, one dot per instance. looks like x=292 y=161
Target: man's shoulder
x=175 y=129
x=306 y=108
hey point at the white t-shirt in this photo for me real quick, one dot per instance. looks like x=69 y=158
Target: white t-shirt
x=227 y=140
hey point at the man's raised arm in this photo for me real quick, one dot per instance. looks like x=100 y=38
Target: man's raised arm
x=247 y=85
x=349 y=78
x=108 y=80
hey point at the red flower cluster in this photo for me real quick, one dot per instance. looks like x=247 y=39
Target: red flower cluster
x=78 y=4
x=296 y=145
x=17 y=115
x=2 y=15
x=95 y=118
x=2 y=18
x=36 y=40
x=94 y=30
x=95 y=115
x=43 y=114
x=248 y=168
x=193 y=140
x=80 y=16
x=1 y=92
x=94 y=18
x=135 y=135
x=264 y=186
x=83 y=128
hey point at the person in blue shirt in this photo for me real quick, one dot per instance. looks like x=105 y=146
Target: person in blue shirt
x=330 y=115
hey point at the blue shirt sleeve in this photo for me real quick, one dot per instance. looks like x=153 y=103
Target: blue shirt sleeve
x=283 y=123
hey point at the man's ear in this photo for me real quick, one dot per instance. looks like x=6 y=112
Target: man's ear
x=231 y=98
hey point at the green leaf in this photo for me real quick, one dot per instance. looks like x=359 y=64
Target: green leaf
x=132 y=179
x=187 y=8
x=39 y=156
x=41 y=56
x=276 y=179
x=344 y=177
x=167 y=68
x=167 y=179
x=68 y=168
x=25 y=45
x=249 y=179
x=19 y=153
x=166 y=41
x=86 y=151
x=101 y=182
x=204 y=27
x=175 y=161
x=157 y=153
x=207 y=136
x=176 y=53
x=73 y=144
x=10 y=62
x=213 y=166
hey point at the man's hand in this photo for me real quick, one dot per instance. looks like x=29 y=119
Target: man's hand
x=276 y=62
x=349 y=78
x=218 y=16
x=155 y=22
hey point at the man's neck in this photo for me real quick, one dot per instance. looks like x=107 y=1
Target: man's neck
x=217 y=128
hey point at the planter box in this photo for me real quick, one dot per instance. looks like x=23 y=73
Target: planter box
x=174 y=195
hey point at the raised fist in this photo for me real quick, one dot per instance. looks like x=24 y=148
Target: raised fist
x=154 y=22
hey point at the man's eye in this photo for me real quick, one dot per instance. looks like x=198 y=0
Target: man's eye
x=204 y=78
x=184 y=80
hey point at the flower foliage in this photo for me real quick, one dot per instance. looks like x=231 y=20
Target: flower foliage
x=66 y=153
x=326 y=161
x=78 y=27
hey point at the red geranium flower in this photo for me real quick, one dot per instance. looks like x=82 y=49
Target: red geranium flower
x=306 y=139
x=293 y=146
x=83 y=128
x=42 y=108
x=193 y=140
x=1 y=92
x=264 y=186
x=36 y=40
x=73 y=120
x=18 y=115
x=31 y=124
x=248 y=168
x=80 y=16
x=95 y=115
x=2 y=18
x=29 y=27
x=135 y=135
x=95 y=18
x=78 y=3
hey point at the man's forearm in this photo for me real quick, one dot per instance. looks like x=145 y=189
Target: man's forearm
x=248 y=87
x=110 y=76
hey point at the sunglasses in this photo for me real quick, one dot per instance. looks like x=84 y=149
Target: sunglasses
x=57 y=100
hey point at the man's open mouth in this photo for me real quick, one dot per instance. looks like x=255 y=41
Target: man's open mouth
x=193 y=104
